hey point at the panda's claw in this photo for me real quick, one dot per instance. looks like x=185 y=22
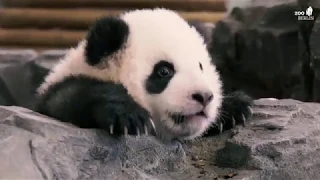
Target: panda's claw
x=145 y=130
x=243 y=120
x=220 y=127
x=111 y=129
x=250 y=110
x=125 y=131
x=138 y=131
x=153 y=126
x=237 y=109
x=233 y=122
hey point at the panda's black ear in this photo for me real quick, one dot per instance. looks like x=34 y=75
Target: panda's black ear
x=104 y=38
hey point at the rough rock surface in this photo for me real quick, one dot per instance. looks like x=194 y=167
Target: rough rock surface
x=21 y=72
x=256 y=49
x=281 y=142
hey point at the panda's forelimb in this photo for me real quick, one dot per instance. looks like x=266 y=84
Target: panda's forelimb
x=91 y=103
x=236 y=109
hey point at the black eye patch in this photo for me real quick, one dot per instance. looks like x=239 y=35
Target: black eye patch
x=160 y=77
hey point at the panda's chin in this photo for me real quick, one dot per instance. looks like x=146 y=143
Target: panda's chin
x=190 y=127
x=184 y=125
x=179 y=118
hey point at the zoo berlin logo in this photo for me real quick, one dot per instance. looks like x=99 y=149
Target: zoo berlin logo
x=305 y=15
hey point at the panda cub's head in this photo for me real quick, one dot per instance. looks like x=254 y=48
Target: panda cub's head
x=161 y=60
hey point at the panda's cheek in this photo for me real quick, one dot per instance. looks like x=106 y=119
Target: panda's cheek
x=212 y=110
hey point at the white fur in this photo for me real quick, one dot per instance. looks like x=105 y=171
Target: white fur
x=155 y=35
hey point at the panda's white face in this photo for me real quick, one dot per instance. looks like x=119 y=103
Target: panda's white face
x=168 y=70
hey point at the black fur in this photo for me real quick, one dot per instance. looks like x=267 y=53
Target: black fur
x=90 y=103
x=234 y=105
x=157 y=82
x=106 y=37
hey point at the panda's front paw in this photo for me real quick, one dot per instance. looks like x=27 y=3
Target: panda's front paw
x=236 y=109
x=124 y=118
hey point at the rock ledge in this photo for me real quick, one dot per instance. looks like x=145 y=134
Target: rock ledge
x=282 y=141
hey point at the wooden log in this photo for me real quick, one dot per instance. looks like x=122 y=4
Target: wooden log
x=33 y=37
x=75 y=18
x=191 y=5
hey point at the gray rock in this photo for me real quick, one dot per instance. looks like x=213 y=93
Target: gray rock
x=288 y=150
x=11 y=57
x=314 y=56
x=21 y=72
x=313 y=3
x=271 y=3
x=49 y=58
x=256 y=50
x=257 y=37
x=19 y=83
x=230 y=4
x=282 y=141
x=36 y=147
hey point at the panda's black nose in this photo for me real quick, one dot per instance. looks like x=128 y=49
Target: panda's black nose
x=203 y=98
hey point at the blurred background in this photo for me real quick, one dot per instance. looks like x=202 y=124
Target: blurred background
x=52 y=24
x=259 y=46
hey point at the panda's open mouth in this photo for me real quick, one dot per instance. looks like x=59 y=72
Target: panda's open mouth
x=180 y=118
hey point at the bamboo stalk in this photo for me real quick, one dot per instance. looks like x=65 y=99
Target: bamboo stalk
x=75 y=19
x=192 y=5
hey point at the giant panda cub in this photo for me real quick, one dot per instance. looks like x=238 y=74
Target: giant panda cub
x=145 y=71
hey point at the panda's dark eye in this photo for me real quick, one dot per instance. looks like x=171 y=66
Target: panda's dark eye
x=165 y=71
